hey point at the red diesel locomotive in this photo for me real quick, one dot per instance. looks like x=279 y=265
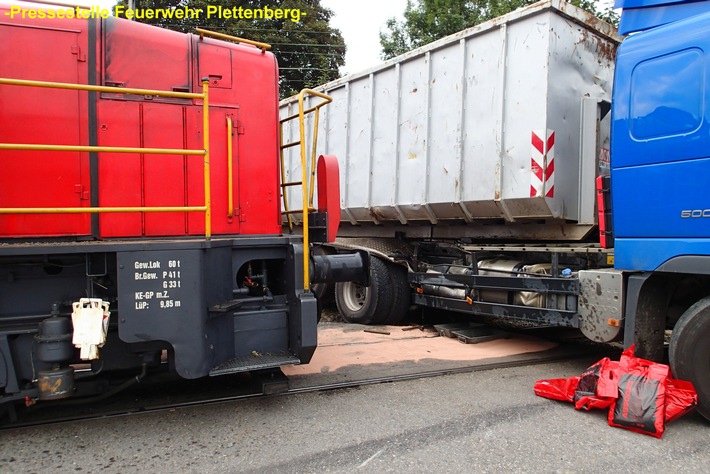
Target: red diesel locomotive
x=140 y=208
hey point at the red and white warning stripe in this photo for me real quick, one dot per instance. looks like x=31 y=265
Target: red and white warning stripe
x=542 y=164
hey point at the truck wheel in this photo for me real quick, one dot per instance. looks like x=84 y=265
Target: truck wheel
x=401 y=295
x=690 y=352
x=366 y=304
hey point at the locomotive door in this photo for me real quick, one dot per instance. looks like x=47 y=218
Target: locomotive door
x=31 y=115
x=216 y=64
x=161 y=62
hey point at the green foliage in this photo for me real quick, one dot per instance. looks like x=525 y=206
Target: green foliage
x=309 y=51
x=428 y=20
x=606 y=12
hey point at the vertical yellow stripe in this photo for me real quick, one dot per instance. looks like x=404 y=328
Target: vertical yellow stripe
x=206 y=139
x=230 y=167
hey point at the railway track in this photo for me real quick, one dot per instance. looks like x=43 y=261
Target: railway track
x=171 y=393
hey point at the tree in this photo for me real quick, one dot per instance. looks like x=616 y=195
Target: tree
x=309 y=51
x=605 y=12
x=428 y=20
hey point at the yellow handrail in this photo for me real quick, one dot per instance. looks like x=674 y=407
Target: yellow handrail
x=95 y=210
x=305 y=182
x=230 y=167
x=206 y=166
x=206 y=208
x=111 y=149
x=213 y=34
x=109 y=89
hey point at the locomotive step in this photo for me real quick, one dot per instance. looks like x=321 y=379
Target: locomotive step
x=254 y=361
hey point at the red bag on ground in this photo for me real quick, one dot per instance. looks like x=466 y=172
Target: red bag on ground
x=641 y=402
x=588 y=402
x=608 y=383
x=681 y=398
x=597 y=386
x=642 y=395
x=557 y=389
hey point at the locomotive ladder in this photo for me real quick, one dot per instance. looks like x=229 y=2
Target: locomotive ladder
x=308 y=169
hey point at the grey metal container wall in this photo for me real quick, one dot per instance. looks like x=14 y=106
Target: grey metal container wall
x=447 y=131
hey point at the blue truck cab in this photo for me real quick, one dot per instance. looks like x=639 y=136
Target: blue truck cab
x=660 y=182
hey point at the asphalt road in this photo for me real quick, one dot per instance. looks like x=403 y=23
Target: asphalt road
x=487 y=421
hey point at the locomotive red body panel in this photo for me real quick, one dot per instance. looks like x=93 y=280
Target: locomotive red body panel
x=243 y=86
x=56 y=116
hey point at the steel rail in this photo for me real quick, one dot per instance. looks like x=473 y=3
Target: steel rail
x=548 y=356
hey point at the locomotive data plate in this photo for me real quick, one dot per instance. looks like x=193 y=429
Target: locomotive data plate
x=158 y=289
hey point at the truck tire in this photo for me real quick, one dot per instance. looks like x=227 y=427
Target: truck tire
x=689 y=351
x=366 y=305
x=401 y=295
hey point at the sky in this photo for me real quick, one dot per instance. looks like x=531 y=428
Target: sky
x=360 y=22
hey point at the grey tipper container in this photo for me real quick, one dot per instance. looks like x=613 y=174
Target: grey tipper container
x=447 y=131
